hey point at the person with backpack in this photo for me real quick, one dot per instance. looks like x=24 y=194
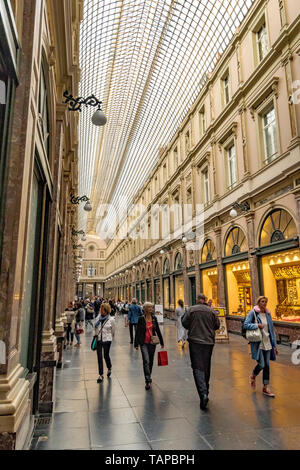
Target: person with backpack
x=264 y=345
x=181 y=331
x=105 y=330
x=201 y=322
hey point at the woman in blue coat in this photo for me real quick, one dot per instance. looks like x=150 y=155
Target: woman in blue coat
x=265 y=350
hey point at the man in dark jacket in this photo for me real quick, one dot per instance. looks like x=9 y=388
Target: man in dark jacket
x=201 y=322
x=134 y=313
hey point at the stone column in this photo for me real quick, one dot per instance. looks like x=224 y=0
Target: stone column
x=252 y=258
x=15 y=407
x=221 y=270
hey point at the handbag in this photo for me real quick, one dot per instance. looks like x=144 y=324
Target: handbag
x=154 y=339
x=162 y=358
x=254 y=336
x=94 y=343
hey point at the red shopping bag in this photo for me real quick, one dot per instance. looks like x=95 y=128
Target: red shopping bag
x=162 y=357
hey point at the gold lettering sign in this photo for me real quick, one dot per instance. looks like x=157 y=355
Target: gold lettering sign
x=288 y=272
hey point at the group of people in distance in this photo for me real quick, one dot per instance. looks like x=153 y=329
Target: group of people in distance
x=197 y=325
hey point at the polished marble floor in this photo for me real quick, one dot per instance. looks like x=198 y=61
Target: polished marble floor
x=121 y=414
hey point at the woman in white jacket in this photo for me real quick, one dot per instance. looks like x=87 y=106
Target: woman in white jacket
x=105 y=330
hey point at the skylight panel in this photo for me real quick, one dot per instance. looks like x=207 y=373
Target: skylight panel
x=144 y=60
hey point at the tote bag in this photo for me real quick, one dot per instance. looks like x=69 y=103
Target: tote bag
x=162 y=358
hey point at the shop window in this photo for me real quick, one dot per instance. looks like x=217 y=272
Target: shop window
x=210 y=284
x=178 y=262
x=179 y=289
x=279 y=225
x=166 y=293
x=281 y=283
x=236 y=242
x=166 y=268
x=208 y=252
x=239 y=288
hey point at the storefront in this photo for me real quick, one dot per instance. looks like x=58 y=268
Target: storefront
x=239 y=296
x=237 y=273
x=210 y=284
x=280 y=266
x=281 y=281
x=137 y=289
x=166 y=283
x=178 y=288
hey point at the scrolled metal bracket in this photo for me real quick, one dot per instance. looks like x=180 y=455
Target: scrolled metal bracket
x=76 y=103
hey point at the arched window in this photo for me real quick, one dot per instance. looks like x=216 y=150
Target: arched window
x=137 y=275
x=236 y=242
x=278 y=225
x=166 y=269
x=156 y=269
x=178 y=262
x=44 y=110
x=208 y=252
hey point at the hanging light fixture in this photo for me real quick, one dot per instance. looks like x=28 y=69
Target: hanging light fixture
x=98 y=118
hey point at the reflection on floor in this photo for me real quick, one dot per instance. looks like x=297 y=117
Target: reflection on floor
x=121 y=414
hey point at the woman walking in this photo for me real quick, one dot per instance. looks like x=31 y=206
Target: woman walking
x=265 y=350
x=181 y=331
x=147 y=336
x=105 y=330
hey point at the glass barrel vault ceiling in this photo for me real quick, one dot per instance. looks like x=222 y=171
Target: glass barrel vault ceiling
x=147 y=61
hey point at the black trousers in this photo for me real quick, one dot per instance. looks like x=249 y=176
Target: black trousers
x=69 y=333
x=105 y=347
x=201 y=362
x=148 y=351
x=131 y=325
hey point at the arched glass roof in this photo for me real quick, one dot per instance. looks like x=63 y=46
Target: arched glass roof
x=147 y=61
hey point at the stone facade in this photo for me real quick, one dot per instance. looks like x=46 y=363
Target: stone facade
x=219 y=156
x=36 y=253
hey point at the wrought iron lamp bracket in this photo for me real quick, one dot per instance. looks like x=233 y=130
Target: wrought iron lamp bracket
x=76 y=103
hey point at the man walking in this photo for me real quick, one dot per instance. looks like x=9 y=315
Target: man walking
x=201 y=322
x=134 y=313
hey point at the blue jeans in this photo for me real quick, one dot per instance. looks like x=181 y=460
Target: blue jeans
x=148 y=351
x=263 y=364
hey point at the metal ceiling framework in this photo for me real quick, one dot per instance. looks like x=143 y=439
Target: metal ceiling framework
x=147 y=61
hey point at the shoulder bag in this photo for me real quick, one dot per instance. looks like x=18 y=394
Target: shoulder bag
x=254 y=336
x=154 y=338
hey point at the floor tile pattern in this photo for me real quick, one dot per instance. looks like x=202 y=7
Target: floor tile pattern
x=121 y=414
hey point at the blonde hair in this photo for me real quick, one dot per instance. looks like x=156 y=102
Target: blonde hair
x=148 y=304
x=106 y=307
x=260 y=298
